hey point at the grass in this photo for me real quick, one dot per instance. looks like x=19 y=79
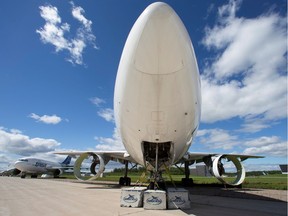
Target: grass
x=273 y=181
x=277 y=182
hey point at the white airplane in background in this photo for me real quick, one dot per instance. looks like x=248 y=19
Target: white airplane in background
x=157 y=103
x=35 y=167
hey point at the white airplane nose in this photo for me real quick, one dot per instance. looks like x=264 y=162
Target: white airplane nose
x=18 y=165
x=158 y=10
x=159 y=50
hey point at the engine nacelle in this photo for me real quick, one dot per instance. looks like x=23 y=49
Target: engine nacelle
x=57 y=172
x=217 y=169
x=97 y=160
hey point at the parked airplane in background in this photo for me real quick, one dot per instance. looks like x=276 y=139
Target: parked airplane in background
x=157 y=102
x=35 y=167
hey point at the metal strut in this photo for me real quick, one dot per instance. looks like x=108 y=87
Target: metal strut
x=187 y=181
x=125 y=180
x=156 y=159
x=126 y=168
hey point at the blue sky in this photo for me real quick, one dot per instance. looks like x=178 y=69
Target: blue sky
x=59 y=61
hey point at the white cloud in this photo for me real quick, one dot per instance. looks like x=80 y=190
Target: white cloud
x=107 y=114
x=54 y=31
x=247 y=78
x=3 y=159
x=267 y=146
x=275 y=149
x=14 y=142
x=97 y=101
x=109 y=144
x=217 y=139
x=254 y=124
x=262 y=141
x=77 y=13
x=50 y=13
x=5 y=162
x=53 y=119
x=221 y=139
x=50 y=156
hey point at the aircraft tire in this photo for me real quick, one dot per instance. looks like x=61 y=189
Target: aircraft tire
x=121 y=181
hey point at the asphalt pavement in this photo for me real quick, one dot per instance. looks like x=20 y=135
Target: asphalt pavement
x=31 y=197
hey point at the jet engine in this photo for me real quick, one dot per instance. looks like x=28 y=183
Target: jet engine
x=57 y=173
x=97 y=160
x=217 y=169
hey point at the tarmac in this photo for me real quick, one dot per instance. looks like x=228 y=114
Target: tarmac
x=31 y=197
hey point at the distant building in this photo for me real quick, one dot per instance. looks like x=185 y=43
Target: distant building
x=283 y=168
x=200 y=170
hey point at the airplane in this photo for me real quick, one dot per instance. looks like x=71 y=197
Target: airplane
x=157 y=103
x=35 y=167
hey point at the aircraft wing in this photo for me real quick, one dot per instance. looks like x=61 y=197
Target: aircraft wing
x=200 y=157
x=118 y=156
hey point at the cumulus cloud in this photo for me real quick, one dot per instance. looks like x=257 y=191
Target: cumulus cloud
x=267 y=146
x=222 y=139
x=247 y=77
x=15 y=142
x=262 y=141
x=77 y=13
x=217 y=139
x=97 y=101
x=3 y=159
x=53 y=119
x=107 y=114
x=275 y=149
x=110 y=144
x=53 y=32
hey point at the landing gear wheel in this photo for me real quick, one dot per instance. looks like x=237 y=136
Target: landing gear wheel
x=23 y=176
x=121 y=181
x=128 y=181
x=125 y=181
x=151 y=186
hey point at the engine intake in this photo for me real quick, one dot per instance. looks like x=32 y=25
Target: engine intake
x=57 y=173
x=217 y=169
x=97 y=160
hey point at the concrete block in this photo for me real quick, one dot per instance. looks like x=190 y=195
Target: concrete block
x=132 y=197
x=154 y=199
x=178 y=198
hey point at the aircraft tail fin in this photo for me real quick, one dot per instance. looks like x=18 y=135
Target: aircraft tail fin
x=67 y=160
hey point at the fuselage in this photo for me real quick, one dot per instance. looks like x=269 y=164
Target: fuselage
x=35 y=166
x=157 y=98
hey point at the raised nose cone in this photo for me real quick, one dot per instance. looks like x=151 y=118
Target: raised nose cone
x=161 y=40
x=18 y=165
x=158 y=10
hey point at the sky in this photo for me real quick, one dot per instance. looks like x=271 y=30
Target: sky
x=59 y=60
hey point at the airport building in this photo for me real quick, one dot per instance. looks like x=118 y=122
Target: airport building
x=200 y=170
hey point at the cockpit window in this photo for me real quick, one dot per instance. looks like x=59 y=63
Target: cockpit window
x=24 y=160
